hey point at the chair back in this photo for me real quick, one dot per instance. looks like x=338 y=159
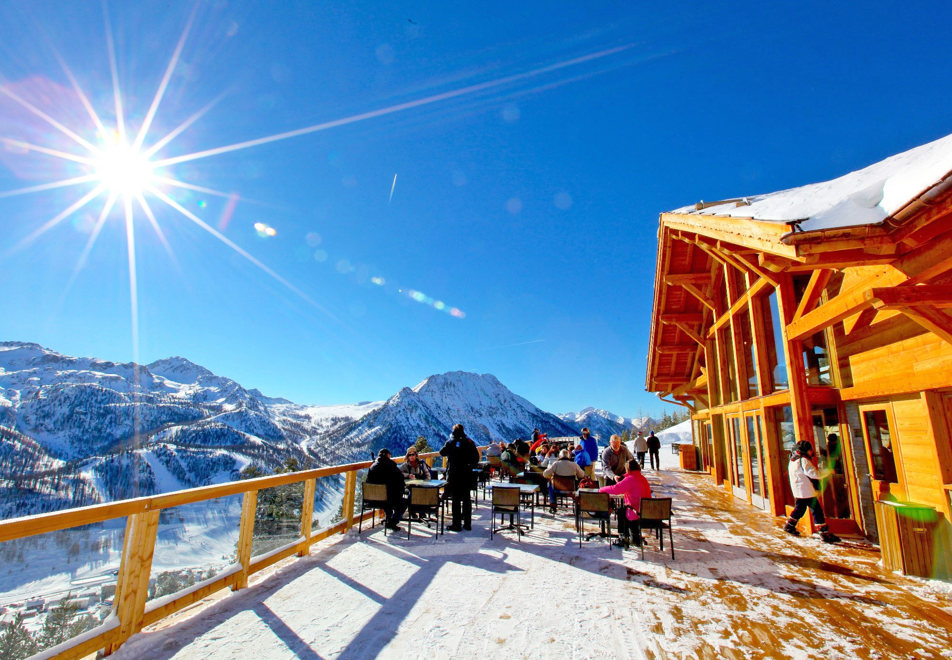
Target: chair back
x=564 y=484
x=658 y=508
x=591 y=502
x=375 y=492
x=503 y=496
x=422 y=496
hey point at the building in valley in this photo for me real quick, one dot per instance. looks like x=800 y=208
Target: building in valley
x=821 y=313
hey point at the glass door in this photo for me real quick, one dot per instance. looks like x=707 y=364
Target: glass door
x=755 y=463
x=738 y=471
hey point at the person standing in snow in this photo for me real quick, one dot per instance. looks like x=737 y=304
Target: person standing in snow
x=614 y=460
x=385 y=471
x=460 y=478
x=804 y=480
x=654 y=447
x=591 y=447
x=633 y=486
x=641 y=448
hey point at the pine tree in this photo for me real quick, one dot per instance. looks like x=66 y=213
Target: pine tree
x=422 y=445
x=16 y=640
x=63 y=622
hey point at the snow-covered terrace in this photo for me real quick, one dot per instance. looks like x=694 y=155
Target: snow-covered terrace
x=738 y=587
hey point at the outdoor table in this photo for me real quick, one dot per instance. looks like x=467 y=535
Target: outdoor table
x=425 y=483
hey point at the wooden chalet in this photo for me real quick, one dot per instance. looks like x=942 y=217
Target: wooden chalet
x=821 y=313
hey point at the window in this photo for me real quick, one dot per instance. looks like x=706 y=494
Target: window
x=816 y=360
x=726 y=344
x=776 y=355
x=786 y=433
x=879 y=441
x=742 y=324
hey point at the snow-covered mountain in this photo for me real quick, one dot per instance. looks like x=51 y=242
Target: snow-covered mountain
x=76 y=431
x=603 y=424
x=485 y=407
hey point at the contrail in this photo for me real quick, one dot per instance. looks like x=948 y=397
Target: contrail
x=392 y=188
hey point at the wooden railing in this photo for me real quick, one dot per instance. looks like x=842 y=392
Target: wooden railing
x=130 y=611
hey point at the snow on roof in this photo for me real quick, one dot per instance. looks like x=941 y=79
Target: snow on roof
x=866 y=196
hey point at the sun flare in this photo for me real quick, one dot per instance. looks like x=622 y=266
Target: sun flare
x=123 y=170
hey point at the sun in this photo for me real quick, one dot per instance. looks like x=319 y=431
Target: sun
x=122 y=169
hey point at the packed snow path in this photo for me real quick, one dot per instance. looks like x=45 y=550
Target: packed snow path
x=738 y=588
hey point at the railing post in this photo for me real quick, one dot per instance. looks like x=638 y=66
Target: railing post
x=245 y=535
x=135 y=569
x=307 y=513
x=350 y=494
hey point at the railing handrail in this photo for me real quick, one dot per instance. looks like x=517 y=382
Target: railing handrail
x=129 y=605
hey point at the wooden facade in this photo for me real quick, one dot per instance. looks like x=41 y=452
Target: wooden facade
x=841 y=336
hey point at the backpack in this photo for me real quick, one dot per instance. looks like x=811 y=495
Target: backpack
x=587 y=482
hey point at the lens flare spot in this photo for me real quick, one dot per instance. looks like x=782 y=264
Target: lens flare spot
x=457 y=313
x=313 y=239
x=379 y=281
x=202 y=203
x=344 y=266
x=265 y=231
x=440 y=305
x=514 y=205
x=562 y=200
x=320 y=256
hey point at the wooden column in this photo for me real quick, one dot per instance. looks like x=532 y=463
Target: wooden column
x=307 y=513
x=793 y=354
x=135 y=569
x=350 y=495
x=245 y=534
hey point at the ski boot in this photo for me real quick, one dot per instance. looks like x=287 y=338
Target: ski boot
x=827 y=536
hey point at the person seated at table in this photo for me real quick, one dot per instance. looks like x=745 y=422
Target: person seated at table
x=551 y=456
x=414 y=468
x=494 y=450
x=564 y=469
x=633 y=486
x=385 y=471
x=512 y=460
x=614 y=459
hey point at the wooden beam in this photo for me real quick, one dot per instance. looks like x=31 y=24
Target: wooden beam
x=678 y=279
x=811 y=295
x=932 y=320
x=752 y=265
x=672 y=318
x=246 y=532
x=135 y=568
x=689 y=332
x=307 y=515
x=697 y=293
x=923 y=295
x=676 y=348
x=756 y=234
x=843 y=305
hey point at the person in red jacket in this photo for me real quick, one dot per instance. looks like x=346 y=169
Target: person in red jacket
x=633 y=486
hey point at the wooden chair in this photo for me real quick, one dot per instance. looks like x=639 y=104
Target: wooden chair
x=656 y=515
x=593 y=505
x=506 y=501
x=563 y=487
x=425 y=502
x=374 y=498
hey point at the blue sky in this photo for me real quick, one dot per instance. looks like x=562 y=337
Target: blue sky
x=532 y=145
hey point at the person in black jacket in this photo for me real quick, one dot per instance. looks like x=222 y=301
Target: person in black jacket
x=463 y=457
x=654 y=447
x=385 y=471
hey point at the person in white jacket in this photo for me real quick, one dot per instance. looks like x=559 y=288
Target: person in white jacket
x=803 y=475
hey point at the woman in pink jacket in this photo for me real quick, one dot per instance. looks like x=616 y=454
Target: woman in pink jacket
x=633 y=486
